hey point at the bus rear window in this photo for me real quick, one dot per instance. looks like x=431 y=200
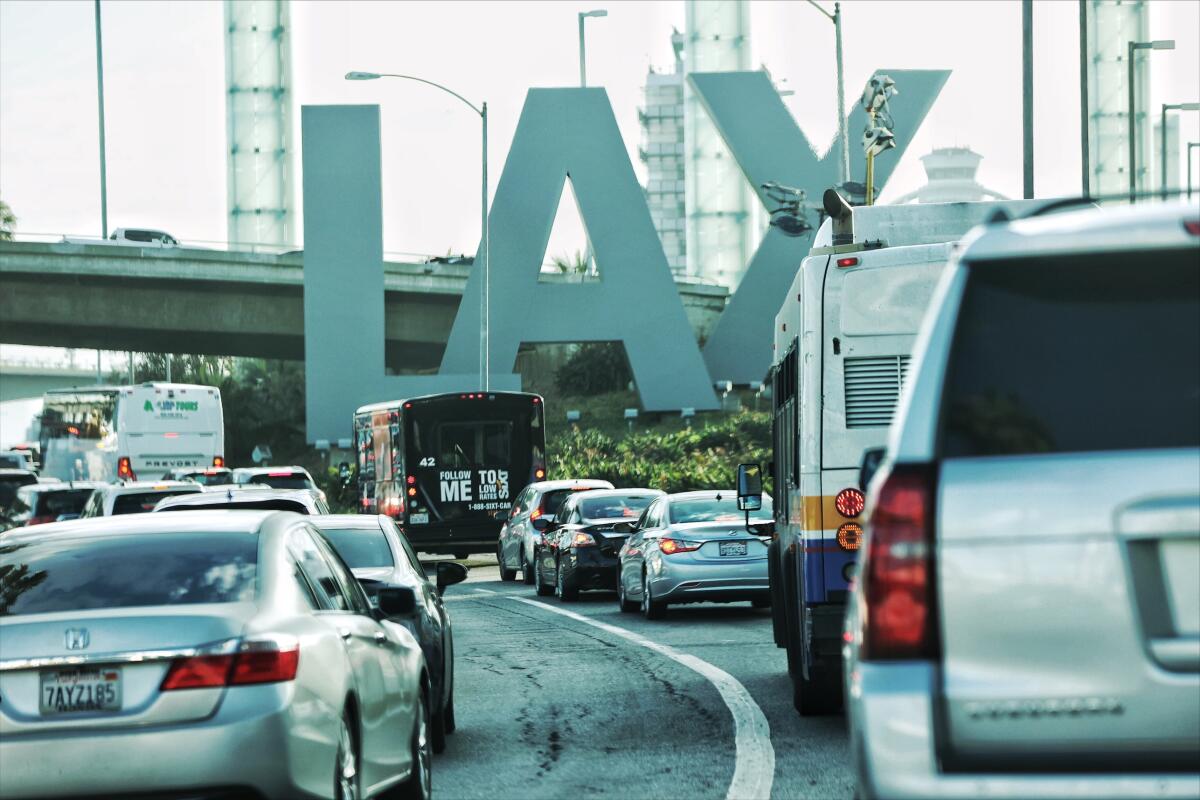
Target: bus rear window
x=1076 y=354
x=474 y=444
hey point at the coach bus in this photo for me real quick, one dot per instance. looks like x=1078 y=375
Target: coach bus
x=111 y=433
x=446 y=467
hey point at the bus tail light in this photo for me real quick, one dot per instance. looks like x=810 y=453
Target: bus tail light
x=898 y=579
x=125 y=469
x=218 y=461
x=849 y=503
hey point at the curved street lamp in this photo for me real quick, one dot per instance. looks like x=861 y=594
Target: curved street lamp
x=485 y=295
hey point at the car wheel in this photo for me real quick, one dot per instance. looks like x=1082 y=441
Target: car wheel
x=506 y=574
x=437 y=731
x=565 y=585
x=419 y=785
x=448 y=721
x=651 y=608
x=527 y=572
x=345 y=764
x=542 y=588
x=624 y=603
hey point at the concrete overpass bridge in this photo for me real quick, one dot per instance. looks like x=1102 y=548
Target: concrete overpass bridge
x=215 y=302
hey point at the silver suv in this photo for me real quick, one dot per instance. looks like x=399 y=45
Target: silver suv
x=1026 y=622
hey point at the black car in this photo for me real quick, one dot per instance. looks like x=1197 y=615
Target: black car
x=379 y=555
x=583 y=541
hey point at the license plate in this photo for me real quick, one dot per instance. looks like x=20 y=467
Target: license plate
x=732 y=548
x=418 y=519
x=68 y=691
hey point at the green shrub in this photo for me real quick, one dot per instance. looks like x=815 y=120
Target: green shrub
x=699 y=458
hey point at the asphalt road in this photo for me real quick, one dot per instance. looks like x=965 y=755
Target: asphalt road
x=553 y=707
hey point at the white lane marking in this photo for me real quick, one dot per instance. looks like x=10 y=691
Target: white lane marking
x=754 y=765
x=470 y=595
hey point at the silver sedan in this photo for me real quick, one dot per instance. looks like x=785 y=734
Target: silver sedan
x=694 y=547
x=202 y=653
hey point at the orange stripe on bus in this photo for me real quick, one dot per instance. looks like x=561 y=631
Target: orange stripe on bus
x=818 y=512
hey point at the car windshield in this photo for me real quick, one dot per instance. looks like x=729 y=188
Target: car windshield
x=361 y=547
x=284 y=480
x=721 y=508
x=614 y=507
x=137 y=502
x=552 y=500
x=161 y=569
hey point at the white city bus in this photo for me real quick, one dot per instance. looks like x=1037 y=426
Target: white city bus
x=110 y=433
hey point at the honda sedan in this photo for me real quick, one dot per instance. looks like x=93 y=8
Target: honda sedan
x=203 y=653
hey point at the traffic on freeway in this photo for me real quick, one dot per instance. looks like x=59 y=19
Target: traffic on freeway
x=687 y=460
x=996 y=592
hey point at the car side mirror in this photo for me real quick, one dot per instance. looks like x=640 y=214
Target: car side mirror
x=872 y=458
x=541 y=524
x=749 y=487
x=450 y=573
x=396 y=601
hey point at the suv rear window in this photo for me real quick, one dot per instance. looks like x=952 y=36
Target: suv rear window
x=290 y=480
x=161 y=569
x=138 y=502
x=1074 y=354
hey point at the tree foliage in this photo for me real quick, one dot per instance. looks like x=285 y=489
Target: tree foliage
x=695 y=458
x=8 y=221
x=595 y=368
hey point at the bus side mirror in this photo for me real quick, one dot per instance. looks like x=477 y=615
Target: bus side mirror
x=871 y=460
x=749 y=487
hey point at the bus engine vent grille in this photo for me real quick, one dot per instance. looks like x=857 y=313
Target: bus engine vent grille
x=872 y=389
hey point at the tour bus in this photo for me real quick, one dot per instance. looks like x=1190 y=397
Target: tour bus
x=446 y=467
x=842 y=344
x=111 y=433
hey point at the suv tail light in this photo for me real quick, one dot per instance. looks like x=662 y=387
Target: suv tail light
x=125 y=468
x=253 y=662
x=898 y=580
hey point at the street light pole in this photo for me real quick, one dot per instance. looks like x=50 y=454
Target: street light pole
x=485 y=300
x=1158 y=44
x=100 y=102
x=1162 y=132
x=583 y=44
x=836 y=19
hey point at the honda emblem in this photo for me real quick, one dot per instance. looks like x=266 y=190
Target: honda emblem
x=77 y=638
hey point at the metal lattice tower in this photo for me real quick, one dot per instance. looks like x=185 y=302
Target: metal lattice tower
x=258 y=84
x=1111 y=26
x=662 y=152
x=721 y=207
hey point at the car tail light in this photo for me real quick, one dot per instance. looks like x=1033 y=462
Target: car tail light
x=852 y=261
x=583 y=540
x=280 y=474
x=1192 y=226
x=849 y=503
x=125 y=468
x=537 y=512
x=41 y=520
x=218 y=461
x=672 y=546
x=266 y=661
x=898 y=578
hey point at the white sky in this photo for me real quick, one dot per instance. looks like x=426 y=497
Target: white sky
x=164 y=81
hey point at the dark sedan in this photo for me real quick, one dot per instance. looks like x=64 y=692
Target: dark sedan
x=583 y=542
x=379 y=555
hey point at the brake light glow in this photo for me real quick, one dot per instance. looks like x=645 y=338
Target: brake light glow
x=847 y=262
x=537 y=400
x=898 y=578
x=218 y=461
x=253 y=662
x=849 y=536
x=410 y=480
x=583 y=540
x=170 y=435
x=672 y=546
x=849 y=502
x=125 y=468
x=71 y=429
x=283 y=474
x=537 y=512
x=539 y=473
